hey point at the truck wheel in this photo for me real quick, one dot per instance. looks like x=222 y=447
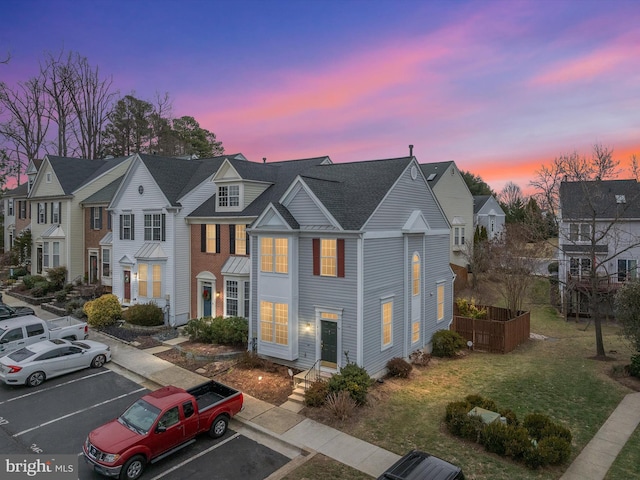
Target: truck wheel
x=98 y=361
x=35 y=379
x=219 y=426
x=133 y=468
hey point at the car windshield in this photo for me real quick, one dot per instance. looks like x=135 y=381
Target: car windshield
x=140 y=416
x=20 y=355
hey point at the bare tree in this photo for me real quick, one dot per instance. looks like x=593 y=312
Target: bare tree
x=57 y=71
x=26 y=121
x=597 y=231
x=92 y=100
x=513 y=266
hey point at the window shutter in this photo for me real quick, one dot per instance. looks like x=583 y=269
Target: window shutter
x=51 y=213
x=133 y=227
x=99 y=218
x=92 y=212
x=248 y=243
x=60 y=212
x=340 y=245
x=316 y=256
x=217 y=238
x=164 y=226
x=121 y=226
x=203 y=238
x=45 y=212
x=232 y=239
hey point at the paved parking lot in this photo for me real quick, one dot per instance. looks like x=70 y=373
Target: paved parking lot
x=56 y=417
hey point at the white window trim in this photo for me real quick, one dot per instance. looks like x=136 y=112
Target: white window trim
x=227 y=208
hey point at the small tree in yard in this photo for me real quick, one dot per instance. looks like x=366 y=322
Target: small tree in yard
x=512 y=266
x=627 y=308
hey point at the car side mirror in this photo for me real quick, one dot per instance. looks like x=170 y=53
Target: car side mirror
x=161 y=429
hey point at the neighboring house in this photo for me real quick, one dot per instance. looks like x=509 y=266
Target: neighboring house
x=488 y=213
x=350 y=264
x=220 y=247
x=599 y=231
x=98 y=234
x=17 y=210
x=151 y=238
x=57 y=224
x=456 y=201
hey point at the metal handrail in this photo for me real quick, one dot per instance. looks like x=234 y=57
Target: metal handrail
x=315 y=370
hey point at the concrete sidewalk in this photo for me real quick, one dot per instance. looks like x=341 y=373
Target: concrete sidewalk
x=299 y=438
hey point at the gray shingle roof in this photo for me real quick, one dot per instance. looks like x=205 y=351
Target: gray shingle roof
x=479 y=201
x=105 y=194
x=74 y=172
x=604 y=198
x=279 y=174
x=433 y=171
x=352 y=191
x=19 y=191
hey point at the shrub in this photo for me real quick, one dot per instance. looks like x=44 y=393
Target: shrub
x=494 y=438
x=61 y=296
x=554 y=450
x=555 y=430
x=399 y=367
x=634 y=367
x=468 y=308
x=249 y=360
x=480 y=401
x=19 y=272
x=341 y=404
x=75 y=304
x=316 y=394
x=353 y=379
x=512 y=418
x=420 y=358
x=144 y=314
x=223 y=331
x=57 y=277
x=446 y=343
x=518 y=442
x=535 y=423
x=533 y=458
x=103 y=311
x=30 y=281
x=40 y=289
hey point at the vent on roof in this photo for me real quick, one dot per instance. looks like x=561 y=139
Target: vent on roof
x=431 y=177
x=621 y=199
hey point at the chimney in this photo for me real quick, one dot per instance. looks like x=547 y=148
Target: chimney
x=411 y=150
x=264 y=159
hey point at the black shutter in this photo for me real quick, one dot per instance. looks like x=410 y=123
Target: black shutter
x=51 y=213
x=164 y=226
x=217 y=238
x=203 y=238
x=248 y=243
x=60 y=212
x=121 y=226
x=340 y=251
x=99 y=218
x=92 y=212
x=133 y=227
x=316 y=256
x=232 y=239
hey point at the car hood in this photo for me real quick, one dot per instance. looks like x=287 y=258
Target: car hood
x=113 y=437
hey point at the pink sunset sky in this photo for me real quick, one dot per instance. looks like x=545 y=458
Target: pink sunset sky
x=500 y=87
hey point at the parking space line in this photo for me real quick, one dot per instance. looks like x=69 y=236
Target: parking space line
x=55 y=386
x=204 y=452
x=77 y=412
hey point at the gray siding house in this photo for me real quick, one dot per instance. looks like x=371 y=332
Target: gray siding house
x=350 y=264
x=488 y=213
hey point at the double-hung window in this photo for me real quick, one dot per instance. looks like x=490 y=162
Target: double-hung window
x=42 y=213
x=274 y=322
x=106 y=262
x=458 y=237
x=56 y=254
x=231 y=296
x=154 y=227
x=127 y=225
x=440 y=300
x=229 y=196
x=11 y=207
x=387 y=323
x=45 y=254
x=627 y=270
x=329 y=257
x=274 y=255
x=55 y=212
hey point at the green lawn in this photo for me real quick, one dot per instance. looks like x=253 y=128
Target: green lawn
x=554 y=376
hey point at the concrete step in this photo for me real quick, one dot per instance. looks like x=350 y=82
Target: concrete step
x=297 y=395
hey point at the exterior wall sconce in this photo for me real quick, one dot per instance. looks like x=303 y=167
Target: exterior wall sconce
x=217 y=294
x=308 y=327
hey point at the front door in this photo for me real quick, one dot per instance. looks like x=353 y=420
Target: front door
x=127 y=285
x=329 y=344
x=93 y=268
x=206 y=300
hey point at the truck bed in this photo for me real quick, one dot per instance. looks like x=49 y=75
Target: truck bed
x=211 y=393
x=61 y=322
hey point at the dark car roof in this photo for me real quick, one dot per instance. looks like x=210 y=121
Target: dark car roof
x=417 y=465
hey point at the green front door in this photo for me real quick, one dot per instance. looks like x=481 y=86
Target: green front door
x=329 y=344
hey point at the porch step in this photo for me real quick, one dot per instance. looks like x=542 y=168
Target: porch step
x=297 y=396
x=298 y=379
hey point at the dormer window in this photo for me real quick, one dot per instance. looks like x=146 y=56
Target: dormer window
x=229 y=196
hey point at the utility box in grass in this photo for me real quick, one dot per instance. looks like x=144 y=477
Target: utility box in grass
x=487 y=416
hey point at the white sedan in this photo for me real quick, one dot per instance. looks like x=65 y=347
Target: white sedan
x=32 y=365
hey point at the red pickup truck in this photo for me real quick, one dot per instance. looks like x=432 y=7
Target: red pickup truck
x=159 y=424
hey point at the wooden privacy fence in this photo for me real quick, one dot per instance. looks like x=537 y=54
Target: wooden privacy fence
x=497 y=334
